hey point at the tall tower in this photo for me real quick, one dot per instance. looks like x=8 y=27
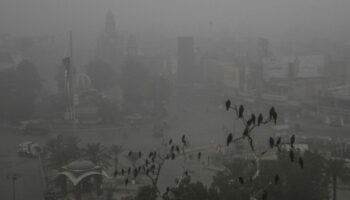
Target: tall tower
x=185 y=60
x=110 y=28
x=110 y=46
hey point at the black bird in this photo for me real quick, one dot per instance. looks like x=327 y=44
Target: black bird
x=229 y=139
x=140 y=154
x=253 y=118
x=245 y=132
x=241 y=180
x=251 y=144
x=172 y=148
x=123 y=171
x=147 y=171
x=301 y=163
x=278 y=141
x=260 y=119
x=240 y=111
x=129 y=170
x=115 y=174
x=228 y=104
x=272 y=142
x=177 y=149
x=249 y=122
x=275 y=117
x=170 y=141
x=199 y=155
x=291 y=155
x=292 y=141
x=186 y=173
x=272 y=113
x=183 y=139
x=277 y=178
x=264 y=196
x=167 y=190
x=130 y=153
x=126 y=181
x=172 y=156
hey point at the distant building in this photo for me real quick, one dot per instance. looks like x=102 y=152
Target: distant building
x=110 y=45
x=132 y=50
x=290 y=67
x=186 y=62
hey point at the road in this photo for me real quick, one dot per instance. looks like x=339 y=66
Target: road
x=203 y=120
x=29 y=185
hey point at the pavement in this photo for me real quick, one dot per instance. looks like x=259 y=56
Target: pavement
x=29 y=185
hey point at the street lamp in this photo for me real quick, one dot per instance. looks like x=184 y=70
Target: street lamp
x=13 y=177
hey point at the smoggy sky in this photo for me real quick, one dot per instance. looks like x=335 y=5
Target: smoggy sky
x=174 y=17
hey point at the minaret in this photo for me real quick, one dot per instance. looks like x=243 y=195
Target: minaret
x=110 y=27
x=110 y=47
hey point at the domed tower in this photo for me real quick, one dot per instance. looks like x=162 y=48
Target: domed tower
x=83 y=82
x=110 y=28
x=110 y=45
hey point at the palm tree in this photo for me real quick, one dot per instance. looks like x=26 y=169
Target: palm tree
x=98 y=154
x=116 y=150
x=60 y=151
x=336 y=168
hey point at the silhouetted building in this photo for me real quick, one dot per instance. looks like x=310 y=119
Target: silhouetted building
x=186 y=65
x=132 y=47
x=110 y=46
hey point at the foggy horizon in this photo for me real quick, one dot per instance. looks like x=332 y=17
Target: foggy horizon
x=174 y=99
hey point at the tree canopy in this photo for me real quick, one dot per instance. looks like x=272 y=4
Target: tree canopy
x=19 y=87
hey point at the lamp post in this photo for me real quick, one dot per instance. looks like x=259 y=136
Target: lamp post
x=13 y=177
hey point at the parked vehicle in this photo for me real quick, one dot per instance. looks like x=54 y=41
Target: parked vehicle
x=29 y=149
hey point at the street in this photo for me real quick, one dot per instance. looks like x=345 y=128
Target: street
x=28 y=185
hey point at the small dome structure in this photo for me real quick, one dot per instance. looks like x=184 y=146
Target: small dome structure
x=83 y=81
x=78 y=170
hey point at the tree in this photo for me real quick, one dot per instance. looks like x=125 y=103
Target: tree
x=116 y=150
x=152 y=164
x=19 y=89
x=189 y=191
x=97 y=154
x=147 y=192
x=280 y=178
x=102 y=76
x=336 y=169
x=258 y=183
x=61 y=151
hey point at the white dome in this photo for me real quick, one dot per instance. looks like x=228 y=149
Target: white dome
x=83 y=81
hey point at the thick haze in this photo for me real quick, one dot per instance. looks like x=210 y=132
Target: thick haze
x=175 y=17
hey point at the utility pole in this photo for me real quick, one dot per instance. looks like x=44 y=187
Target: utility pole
x=263 y=45
x=13 y=177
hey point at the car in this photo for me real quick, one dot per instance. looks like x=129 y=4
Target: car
x=29 y=149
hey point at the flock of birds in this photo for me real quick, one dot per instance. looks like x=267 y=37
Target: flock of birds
x=253 y=122
x=153 y=162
